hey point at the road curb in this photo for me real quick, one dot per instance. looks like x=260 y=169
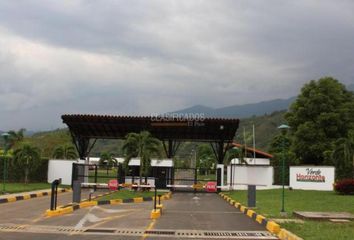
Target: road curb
x=30 y=196
x=71 y=207
x=270 y=225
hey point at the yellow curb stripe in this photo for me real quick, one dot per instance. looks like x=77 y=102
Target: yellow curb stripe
x=116 y=201
x=40 y=194
x=260 y=218
x=273 y=227
x=26 y=196
x=250 y=213
x=88 y=204
x=11 y=199
x=286 y=235
x=138 y=200
x=242 y=208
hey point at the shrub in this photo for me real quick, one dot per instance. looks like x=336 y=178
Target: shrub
x=344 y=186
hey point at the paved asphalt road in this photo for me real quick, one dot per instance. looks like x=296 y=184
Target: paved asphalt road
x=185 y=213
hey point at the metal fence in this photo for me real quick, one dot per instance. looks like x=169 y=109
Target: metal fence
x=161 y=176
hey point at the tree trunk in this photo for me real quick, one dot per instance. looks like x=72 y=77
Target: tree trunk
x=140 y=172
x=26 y=175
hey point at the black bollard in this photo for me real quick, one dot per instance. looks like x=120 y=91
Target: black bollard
x=155 y=198
x=159 y=199
x=251 y=196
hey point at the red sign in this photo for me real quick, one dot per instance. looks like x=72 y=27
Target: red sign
x=113 y=185
x=211 y=187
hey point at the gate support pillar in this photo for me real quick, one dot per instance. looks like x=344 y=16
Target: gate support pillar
x=77 y=191
x=220 y=176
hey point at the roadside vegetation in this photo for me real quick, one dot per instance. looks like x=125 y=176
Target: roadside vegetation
x=20 y=187
x=269 y=205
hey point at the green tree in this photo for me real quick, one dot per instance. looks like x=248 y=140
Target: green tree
x=343 y=157
x=205 y=158
x=280 y=147
x=144 y=146
x=321 y=114
x=235 y=152
x=28 y=158
x=65 y=152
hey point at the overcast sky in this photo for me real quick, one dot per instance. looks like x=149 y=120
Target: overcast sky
x=143 y=57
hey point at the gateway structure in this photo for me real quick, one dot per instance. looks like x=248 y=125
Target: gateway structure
x=219 y=132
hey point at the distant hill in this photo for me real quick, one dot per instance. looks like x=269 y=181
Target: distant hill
x=266 y=127
x=241 y=111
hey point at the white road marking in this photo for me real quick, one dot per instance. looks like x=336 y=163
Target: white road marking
x=89 y=217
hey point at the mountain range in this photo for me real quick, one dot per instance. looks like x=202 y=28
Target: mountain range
x=246 y=110
x=240 y=111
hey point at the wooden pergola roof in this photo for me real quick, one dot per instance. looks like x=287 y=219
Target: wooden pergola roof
x=219 y=132
x=117 y=127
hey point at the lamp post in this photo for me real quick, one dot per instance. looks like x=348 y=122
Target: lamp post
x=5 y=136
x=284 y=128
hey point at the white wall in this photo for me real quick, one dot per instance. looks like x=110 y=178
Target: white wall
x=244 y=175
x=221 y=166
x=312 y=177
x=154 y=162
x=61 y=169
x=252 y=161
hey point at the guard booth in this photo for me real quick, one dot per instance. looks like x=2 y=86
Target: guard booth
x=170 y=130
x=161 y=171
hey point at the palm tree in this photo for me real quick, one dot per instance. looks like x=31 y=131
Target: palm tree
x=16 y=137
x=141 y=145
x=108 y=160
x=28 y=158
x=235 y=153
x=65 y=152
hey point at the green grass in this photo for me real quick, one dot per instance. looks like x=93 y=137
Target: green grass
x=21 y=187
x=209 y=177
x=102 y=176
x=126 y=194
x=269 y=205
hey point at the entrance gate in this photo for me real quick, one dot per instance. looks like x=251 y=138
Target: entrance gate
x=182 y=179
x=191 y=179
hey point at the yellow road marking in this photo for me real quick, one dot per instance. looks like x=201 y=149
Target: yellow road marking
x=37 y=219
x=149 y=227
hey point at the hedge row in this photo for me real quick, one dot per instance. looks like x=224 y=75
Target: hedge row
x=17 y=173
x=344 y=186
